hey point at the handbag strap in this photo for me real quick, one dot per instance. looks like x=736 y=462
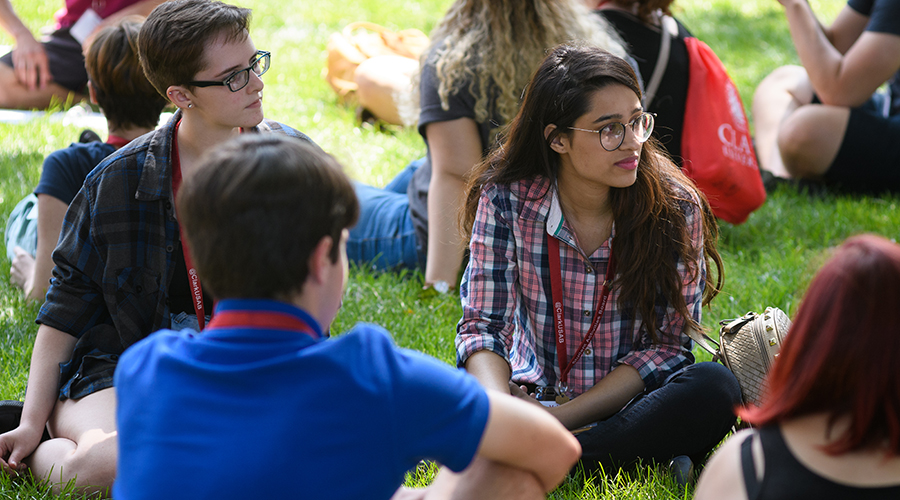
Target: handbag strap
x=703 y=340
x=728 y=326
x=665 y=46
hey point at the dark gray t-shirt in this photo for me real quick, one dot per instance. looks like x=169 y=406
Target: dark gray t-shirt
x=884 y=17
x=461 y=104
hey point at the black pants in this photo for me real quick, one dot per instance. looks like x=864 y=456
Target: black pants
x=688 y=415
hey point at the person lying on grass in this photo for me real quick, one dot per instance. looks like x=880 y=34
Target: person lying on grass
x=263 y=405
x=121 y=269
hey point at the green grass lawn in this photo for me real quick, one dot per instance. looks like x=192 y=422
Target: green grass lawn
x=768 y=260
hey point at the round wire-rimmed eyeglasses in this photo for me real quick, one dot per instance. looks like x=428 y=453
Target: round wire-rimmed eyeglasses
x=612 y=135
x=240 y=78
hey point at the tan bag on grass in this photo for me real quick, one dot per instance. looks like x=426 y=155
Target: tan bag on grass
x=361 y=40
x=748 y=346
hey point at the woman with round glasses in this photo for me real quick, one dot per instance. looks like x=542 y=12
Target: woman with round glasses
x=589 y=261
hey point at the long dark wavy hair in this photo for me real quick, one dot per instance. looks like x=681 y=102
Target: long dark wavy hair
x=651 y=227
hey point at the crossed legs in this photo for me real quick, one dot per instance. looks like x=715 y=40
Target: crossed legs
x=13 y=94
x=482 y=480
x=83 y=444
x=795 y=138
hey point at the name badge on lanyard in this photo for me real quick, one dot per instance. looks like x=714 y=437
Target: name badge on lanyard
x=565 y=365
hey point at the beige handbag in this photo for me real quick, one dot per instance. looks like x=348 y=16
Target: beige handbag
x=748 y=346
x=361 y=40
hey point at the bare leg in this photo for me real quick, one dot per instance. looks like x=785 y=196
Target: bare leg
x=83 y=445
x=810 y=138
x=483 y=480
x=14 y=95
x=21 y=271
x=776 y=98
x=381 y=79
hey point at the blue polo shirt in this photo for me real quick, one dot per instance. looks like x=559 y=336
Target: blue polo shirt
x=264 y=408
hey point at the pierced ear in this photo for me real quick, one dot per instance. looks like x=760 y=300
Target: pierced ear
x=180 y=96
x=556 y=144
x=320 y=260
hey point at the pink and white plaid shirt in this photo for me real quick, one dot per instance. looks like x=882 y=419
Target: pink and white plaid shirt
x=506 y=296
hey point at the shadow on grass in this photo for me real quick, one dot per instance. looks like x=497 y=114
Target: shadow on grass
x=395 y=301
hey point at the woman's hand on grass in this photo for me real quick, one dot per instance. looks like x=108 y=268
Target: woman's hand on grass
x=15 y=445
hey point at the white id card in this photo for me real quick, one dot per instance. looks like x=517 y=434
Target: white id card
x=85 y=25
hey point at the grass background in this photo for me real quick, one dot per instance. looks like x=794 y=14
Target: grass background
x=768 y=260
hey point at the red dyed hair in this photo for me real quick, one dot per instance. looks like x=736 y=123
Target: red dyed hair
x=841 y=355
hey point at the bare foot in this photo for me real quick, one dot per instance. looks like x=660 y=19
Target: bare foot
x=21 y=273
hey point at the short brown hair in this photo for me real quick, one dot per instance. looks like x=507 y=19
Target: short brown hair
x=174 y=38
x=255 y=209
x=124 y=94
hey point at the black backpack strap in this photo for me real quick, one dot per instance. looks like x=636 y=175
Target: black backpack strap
x=665 y=42
x=753 y=485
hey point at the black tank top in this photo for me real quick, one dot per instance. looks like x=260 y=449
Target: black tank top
x=786 y=478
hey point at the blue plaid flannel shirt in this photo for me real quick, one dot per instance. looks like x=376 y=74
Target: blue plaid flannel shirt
x=114 y=259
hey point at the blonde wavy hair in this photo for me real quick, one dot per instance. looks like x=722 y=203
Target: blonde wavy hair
x=496 y=45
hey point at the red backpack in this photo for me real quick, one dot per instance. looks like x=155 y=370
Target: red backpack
x=716 y=147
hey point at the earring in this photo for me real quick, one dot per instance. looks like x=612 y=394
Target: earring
x=190 y=105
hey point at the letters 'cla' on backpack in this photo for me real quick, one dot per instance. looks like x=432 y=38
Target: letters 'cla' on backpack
x=718 y=155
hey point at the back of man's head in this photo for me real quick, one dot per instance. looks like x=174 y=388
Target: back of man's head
x=127 y=98
x=256 y=208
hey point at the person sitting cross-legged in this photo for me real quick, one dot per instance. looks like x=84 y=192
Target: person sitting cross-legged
x=263 y=405
x=826 y=121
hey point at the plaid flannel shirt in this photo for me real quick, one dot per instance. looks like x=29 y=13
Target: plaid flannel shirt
x=506 y=295
x=115 y=258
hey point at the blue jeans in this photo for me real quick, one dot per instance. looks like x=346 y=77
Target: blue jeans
x=688 y=415
x=385 y=236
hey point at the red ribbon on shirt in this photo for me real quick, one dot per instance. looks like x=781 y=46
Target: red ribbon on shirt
x=262 y=320
x=193 y=278
x=116 y=141
x=558 y=312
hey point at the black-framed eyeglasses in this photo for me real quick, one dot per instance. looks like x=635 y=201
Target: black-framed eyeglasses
x=240 y=78
x=612 y=135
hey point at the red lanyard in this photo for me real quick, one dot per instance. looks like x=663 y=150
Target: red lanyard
x=193 y=279
x=261 y=320
x=557 y=292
